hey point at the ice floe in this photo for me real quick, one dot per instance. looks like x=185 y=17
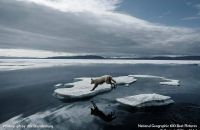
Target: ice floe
x=82 y=87
x=146 y=100
x=171 y=82
x=145 y=76
x=58 y=85
x=165 y=81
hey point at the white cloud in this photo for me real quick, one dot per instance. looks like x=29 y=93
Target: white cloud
x=31 y=53
x=96 y=6
x=146 y=32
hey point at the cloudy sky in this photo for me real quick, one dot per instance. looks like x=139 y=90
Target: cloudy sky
x=42 y=28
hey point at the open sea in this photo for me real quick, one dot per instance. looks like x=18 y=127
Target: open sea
x=27 y=87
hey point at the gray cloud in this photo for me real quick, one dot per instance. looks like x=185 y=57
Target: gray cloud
x=32 y=26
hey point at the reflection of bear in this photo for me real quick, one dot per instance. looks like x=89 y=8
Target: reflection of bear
x=95 y=111
x=104 y=79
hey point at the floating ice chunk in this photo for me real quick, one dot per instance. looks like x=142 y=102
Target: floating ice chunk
x=58 y=85
x=146 y=100
x=145 y=76
x=125 y=80
x=82 y=88
x=170 y=82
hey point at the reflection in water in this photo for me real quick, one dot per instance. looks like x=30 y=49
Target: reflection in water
x=106 y=117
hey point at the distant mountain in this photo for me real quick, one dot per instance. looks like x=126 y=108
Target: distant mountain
x=77 y=57
x=159 y=58
x=170 y=58
x=122 y=58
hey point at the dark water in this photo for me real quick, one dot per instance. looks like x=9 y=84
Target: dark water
x=30 y=91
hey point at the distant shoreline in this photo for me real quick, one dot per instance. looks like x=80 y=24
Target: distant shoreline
x=112 y=58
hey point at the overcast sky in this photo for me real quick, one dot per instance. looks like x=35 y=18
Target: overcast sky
x=42 y=28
